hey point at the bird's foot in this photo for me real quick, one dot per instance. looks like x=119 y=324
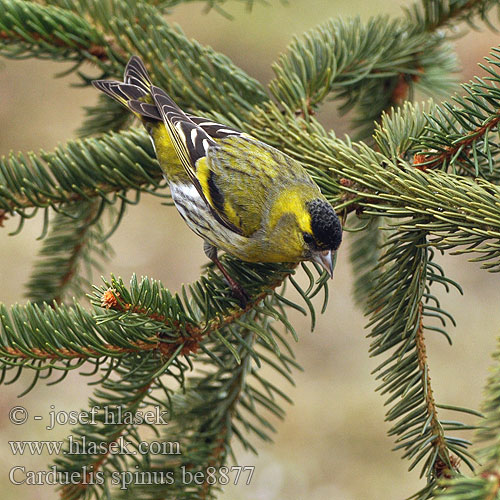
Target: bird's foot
x=239 y=293
x=236 y=289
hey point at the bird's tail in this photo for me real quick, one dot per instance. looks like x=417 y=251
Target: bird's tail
x=134 y=92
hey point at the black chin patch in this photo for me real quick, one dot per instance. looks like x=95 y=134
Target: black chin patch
x=325 y=225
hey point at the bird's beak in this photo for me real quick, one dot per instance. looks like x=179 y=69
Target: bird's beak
x=326 y=260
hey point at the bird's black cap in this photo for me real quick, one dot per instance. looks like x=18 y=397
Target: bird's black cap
x=325 y=225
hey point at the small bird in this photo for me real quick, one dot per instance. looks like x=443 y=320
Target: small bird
x=239 y=194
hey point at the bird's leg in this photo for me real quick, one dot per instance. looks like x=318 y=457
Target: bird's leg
x=237 y=290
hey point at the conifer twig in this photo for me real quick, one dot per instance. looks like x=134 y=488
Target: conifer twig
x=424 y=161
x=437 y=430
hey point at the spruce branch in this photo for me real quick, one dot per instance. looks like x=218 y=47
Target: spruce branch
x=236 y=355
x=120 y=300
x=370 y=66
x=217 y=406
x=30 y=335
x=80 y=171
x=364 y=178
x=114 y=426
x=146 y=317
x=150 y=301
x=29 y=29
x=462 y=213
x=366 y=249
x=461 y=135
x=398 y=326
x=196 y=76
x=470 y=488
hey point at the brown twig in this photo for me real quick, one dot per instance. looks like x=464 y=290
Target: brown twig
x=189 y=334
x=439 y=442
x=100 y=52
x=83 y=353
x=425 y=161
x=401 y=91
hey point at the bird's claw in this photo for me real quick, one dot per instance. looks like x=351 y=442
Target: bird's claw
x=240 y=293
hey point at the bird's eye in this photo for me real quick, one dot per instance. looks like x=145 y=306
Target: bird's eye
x=308 y=238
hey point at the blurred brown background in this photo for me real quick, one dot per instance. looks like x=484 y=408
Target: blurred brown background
x=333 y=443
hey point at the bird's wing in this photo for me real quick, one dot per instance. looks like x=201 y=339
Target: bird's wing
x=234 y=175
x=250 y=175
x=191 y=145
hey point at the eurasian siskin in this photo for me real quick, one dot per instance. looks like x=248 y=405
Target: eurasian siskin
x=239 y=194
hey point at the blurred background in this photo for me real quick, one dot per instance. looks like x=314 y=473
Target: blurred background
x=333 y=443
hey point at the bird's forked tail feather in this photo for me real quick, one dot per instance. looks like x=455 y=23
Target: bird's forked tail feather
x=134 y=92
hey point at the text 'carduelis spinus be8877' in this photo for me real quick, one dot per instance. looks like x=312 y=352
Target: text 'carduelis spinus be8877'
x=239 y=194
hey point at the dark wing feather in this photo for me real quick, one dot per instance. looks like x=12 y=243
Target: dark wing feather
x=116 y=90
x=145 y=109
x=214 y=129
x=137 y=74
